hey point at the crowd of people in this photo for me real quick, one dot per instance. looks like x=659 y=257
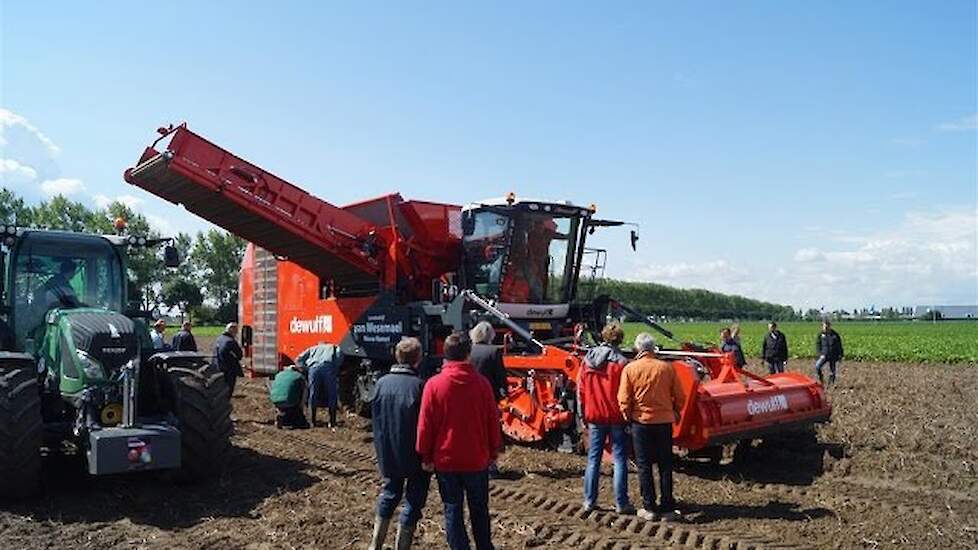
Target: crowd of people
x=448 y=427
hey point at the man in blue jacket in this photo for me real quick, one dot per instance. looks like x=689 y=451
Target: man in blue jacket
x=396 y=405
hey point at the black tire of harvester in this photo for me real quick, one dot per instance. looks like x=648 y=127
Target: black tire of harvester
x=21 y=432
x=203 y=408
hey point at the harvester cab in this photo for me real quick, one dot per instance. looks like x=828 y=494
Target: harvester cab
x=525 y=257
x=78 y=373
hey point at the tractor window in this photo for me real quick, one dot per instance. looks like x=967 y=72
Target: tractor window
x=63 y=271
x=485 y=243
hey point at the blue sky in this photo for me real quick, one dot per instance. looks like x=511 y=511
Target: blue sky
x=813 y=154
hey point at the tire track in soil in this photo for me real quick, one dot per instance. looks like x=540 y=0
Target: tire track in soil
x=553 y=521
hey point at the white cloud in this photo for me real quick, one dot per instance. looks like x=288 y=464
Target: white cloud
x=928 y=257
x=965 y=123
x=13 y=172
x=10 y=120
x=806 y=255
x=925 y=257
x=160 y=224
x=27 y=155
x=102 y=201
x=62 y=186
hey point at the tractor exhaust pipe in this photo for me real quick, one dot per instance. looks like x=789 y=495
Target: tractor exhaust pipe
x=130 y=381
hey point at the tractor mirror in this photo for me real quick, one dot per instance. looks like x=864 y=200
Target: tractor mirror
x=171 y=256
x=634 y=237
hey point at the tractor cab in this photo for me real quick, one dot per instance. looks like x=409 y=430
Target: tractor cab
x=50 y=270
x=525 y=255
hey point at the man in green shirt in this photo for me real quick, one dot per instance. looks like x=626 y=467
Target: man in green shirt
x=288 y=387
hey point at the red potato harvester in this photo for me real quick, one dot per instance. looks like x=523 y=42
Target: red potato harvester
x=363 y=275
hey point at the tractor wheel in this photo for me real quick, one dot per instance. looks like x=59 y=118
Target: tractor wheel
x=21 y=432
x=202 y=406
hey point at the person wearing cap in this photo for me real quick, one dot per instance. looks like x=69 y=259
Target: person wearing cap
x=458 y=438
x=159 y=328
x=183 y=340
x=227 y=356
x=651 y=398
x=286 y=393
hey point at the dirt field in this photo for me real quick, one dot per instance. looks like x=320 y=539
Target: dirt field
x=897 y=467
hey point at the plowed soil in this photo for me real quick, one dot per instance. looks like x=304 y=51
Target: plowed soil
x=896 y=468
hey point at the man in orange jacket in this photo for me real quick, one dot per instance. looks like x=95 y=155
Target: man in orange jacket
x=650 y=398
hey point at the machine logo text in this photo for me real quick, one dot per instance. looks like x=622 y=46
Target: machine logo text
x=321 y=324
x=772 y=404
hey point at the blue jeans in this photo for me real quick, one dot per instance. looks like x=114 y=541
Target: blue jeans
x=822 y=360
x=597 y=434
x=393 y=490
x=473 y=487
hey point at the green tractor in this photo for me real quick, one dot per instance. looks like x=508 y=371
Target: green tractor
x=78 y=373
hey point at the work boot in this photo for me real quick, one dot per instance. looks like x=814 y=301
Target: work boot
x=831 y=379
x=405 y=535
x=380 y=533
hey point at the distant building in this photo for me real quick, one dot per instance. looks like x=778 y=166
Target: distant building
x=946 y=312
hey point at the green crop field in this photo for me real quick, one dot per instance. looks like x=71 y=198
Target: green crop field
x=910 y=341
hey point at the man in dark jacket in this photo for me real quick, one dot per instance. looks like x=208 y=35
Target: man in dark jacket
x=458 y=437
x=184 y=340
x=597 y=388
x=729 y=345
x=487 y=358
x=227 y=356
x=828 y=345
x=774 y=350
x=396 y=405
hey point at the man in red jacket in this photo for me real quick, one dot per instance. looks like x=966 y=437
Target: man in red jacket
x=458 y=437
x=597 y=386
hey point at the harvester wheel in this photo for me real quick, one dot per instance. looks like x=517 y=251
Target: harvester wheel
x=363 y=396
x=202 y=406
x=21 y=432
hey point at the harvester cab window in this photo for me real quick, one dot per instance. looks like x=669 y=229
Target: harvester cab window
x=485 y=243
x=49 y=274
x=537 y=260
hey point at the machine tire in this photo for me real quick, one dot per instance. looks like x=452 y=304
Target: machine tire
x=202 y=405
x=363 y=390
x=21 y=432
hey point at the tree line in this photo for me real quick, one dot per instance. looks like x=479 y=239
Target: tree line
x=693 y=303
x=204 y=287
